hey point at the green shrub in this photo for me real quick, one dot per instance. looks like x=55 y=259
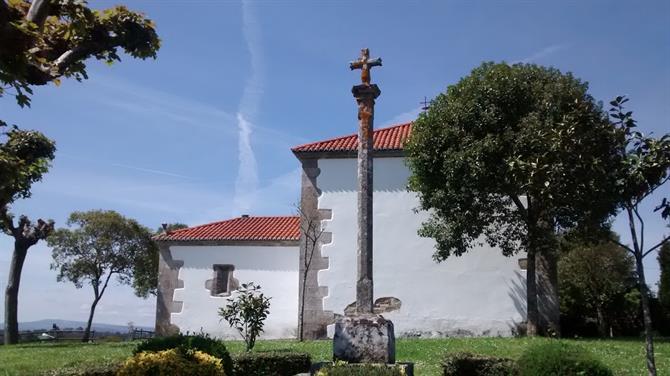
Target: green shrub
x=272 y=363
x=199 y=342
x=172 y=362
x=560 y=358
x=246 y=311
x=87 y=369
x=477 y=365
x=346 y=369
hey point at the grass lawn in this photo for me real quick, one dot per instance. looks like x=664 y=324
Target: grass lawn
x=625 y=357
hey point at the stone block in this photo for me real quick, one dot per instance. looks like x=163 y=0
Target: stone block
x=364 y=339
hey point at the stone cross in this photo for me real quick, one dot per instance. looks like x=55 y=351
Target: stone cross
x=365 y=95
x=364 y=63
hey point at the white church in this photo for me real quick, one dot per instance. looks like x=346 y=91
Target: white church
x=481 y=293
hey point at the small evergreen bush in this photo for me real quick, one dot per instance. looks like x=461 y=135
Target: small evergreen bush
x=477 y=365
x=172 y=362
x=272 y=363
x=199 y=342
x=346 y=369
x=560 y=358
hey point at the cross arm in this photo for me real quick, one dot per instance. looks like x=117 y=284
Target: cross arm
x=375 y=62
x=356 y=65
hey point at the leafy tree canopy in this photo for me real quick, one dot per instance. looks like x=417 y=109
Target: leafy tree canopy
x=24 y=158
x=102 y=244
x=43 y=40
x=595 y=282
x=506 y=147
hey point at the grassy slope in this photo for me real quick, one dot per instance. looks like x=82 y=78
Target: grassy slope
x=626 y=357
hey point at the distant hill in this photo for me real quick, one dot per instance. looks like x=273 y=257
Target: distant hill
x=63 y=324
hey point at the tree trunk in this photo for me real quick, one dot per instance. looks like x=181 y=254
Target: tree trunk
x=532 y=313
x=12 y=294
x=87 y=332
x=546 y=276
x=301 y=316
x=646 y=314
x=602 y=323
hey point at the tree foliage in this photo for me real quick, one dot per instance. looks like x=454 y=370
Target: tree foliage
x=44 y=40
x=505 y=132
x=598 y=285
x=24 y=157
x=246 y=311
x=145 y=277
x=102 y=245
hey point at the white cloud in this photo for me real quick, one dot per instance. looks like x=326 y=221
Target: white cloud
x=404 y=117
x=549 y=50
x=247 y=176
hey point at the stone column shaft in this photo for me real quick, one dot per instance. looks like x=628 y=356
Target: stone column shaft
x=365 y=96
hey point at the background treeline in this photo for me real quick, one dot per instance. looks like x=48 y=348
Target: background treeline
x=599 y=295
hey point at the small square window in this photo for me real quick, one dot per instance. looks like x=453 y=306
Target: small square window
x=222 y=277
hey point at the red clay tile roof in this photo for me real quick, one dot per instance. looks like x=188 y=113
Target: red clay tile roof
x=391 y=138
x=241 y=228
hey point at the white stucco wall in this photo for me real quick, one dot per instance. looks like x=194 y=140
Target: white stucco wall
x=274 y=268
x=481 y=293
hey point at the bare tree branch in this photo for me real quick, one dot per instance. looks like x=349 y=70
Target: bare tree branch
x=667 y=238
x=70 y=56
x=639 y=218
x=627 y=248
x=653 y=189
x=633 y=232
x=38 y=12
x=6 y=218
x=104 y=287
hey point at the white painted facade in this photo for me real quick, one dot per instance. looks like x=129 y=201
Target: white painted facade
x=481 y=293
x=274 y=268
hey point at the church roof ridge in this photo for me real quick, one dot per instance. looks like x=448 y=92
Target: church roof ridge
x=245 y=227
x=388 y=138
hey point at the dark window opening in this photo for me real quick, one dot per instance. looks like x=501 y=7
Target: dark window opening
x=222 y=279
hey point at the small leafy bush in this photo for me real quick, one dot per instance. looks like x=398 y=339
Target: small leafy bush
x=560 y=358
x=477 y=365
x=172 y=362
x=199 y=342
x=87 y=369
x=272 y=363
x=347 y=369
x=246 y=311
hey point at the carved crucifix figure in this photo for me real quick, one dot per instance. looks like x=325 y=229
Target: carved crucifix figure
x=364 y=63
x=365 y=95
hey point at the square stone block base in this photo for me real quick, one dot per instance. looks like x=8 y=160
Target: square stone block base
x=364 y=339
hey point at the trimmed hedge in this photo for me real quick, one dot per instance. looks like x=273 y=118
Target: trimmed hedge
x=464 y=363
x=560 y=358
x=271 y=363
x=199 y=342
x=345 y=369
x=172 y=362
x=87 y=369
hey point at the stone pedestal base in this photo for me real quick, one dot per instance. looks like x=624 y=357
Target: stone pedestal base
x=364 y=339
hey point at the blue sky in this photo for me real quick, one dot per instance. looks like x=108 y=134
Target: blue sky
x=203 y=133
